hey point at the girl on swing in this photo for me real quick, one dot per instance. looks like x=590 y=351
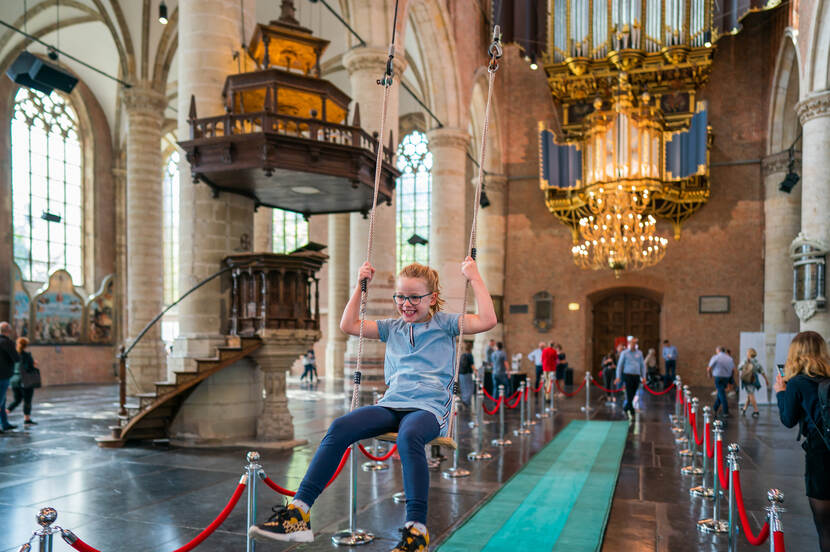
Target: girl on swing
x=419 y=369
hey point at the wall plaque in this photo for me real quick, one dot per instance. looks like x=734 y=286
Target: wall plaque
x=713 y=304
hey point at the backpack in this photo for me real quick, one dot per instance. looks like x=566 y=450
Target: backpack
x=748 y=373
x=824 y=411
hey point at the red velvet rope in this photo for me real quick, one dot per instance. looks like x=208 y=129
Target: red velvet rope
x=578 y=389
x=283 y=491
x=383 y=458
x=663 y=392
x=495 y=409
x=527 y=393
x=762 y=536
x=492 y=398
x=549 y=387
x=679 y=396
x=604 y=389
x=778 y=541
x=81 y=546
x=710 y=449
x=722 y=475
x=698 y=440
x=518 y=396
x=539 y=388
x=688 y=410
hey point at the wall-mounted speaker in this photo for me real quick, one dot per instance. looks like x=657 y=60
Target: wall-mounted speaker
x=33 y=72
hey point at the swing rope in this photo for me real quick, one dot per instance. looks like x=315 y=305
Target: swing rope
x=495 y=52
x=386 y=83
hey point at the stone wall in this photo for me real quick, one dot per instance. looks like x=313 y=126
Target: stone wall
x=64 y=364
x=721 y=248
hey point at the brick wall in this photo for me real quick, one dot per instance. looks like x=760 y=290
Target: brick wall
x=720 y=251
x=64 y=364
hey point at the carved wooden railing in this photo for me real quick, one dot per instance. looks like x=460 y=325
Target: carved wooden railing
x=238 y=124
x=274 y=291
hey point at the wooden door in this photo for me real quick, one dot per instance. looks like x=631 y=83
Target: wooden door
x=625 y=314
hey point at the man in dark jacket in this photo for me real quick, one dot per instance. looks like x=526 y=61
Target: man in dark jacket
x=8 y=356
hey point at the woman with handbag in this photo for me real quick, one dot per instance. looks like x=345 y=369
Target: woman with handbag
x=25 y=380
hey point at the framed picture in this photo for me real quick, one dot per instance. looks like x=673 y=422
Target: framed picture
x=713 y=304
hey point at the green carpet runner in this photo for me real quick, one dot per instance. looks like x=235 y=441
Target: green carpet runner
x=559 y=501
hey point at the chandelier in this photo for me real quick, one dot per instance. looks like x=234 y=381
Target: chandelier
x=622 y=166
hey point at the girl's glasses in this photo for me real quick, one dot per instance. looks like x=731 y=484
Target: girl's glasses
x=413 y=299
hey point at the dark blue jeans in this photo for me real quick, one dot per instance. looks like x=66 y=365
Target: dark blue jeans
x=4 y=419
x=720 y=385
x=415 y=429
x=538 y=375
x=671 y=371
x=500 y=379
x=308 y=371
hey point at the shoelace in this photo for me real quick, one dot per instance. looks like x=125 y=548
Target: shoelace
x=276 y=511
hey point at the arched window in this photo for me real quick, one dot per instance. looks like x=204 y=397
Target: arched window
x=47 y=186
x=170 y=197
x=414 y=190
x=290 y=231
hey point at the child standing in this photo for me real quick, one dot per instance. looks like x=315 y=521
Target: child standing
x=418 y=369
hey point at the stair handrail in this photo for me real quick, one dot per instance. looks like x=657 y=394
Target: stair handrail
x=123 y=352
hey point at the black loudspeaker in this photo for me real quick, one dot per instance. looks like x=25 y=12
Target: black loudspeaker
x=29 y=70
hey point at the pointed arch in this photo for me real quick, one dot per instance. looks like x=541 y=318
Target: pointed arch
x=817 y=65
x=782 y=125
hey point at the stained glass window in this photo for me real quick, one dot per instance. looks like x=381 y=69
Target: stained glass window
x=290 y=231
x=414 y=190
x=170 y=196
x=47 y=187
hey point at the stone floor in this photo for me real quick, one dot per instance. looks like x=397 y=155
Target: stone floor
x=146 y=497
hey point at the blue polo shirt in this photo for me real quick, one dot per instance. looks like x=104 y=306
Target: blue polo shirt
x=722 y=365
x=419 y=364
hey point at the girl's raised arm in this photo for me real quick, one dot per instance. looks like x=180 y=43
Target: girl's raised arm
x=350 y=321
x=486 y=317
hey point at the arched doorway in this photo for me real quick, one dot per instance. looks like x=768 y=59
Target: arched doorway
x=621 y=314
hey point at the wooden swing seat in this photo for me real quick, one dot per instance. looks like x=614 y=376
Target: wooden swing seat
x=440 y=441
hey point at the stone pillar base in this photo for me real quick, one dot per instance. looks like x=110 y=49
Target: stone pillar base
x=281 y=349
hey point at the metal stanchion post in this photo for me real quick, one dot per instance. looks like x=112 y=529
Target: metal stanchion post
x=543 y=412
x=479 y=453
x=352 y=536
x=732 y=459
x=702 y=490
x=530 y=419
x=676 y=417
x=455 y=472
x=552 y=407
x=690 y=445
x=522 y=429
x=693 y=468
x=682 y=439
x=587 y=409
x=45 y=518
x=715 y=524
x=776 y=498
x=252 y=469
x=477 y=397
x=501 y=441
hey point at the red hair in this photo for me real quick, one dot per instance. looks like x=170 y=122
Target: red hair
x=430 y=277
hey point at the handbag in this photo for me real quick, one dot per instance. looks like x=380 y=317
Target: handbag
x=30 y=377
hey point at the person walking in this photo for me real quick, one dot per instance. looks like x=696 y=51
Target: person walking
x=501 y=372
x=722 y=368
x=465 y=373
x=8 y=358
x=535 y=356
x=799 y=394
x=549 y=359
x=309 y=366
x=750 y=370
x=669 y=362
x=631 y=367
x=609 y=368
x=23 y=393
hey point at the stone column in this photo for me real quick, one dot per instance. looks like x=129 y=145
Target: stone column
x=211 y=227
x=782 y=222
x=338 y=295
x=145 y=278
x=448 y=233
x=275 y=358
x=264 y=230
x=492 y=228
x=365 y=66
x=814 y=115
